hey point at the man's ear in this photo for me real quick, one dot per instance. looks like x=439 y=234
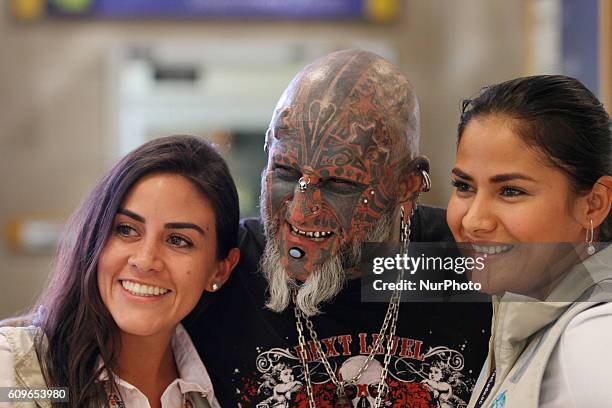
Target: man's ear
x=412 y=180
x=599 y=202
x=224 y=270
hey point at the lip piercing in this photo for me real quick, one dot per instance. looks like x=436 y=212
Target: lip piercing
x=296 y=252
x=303 y=183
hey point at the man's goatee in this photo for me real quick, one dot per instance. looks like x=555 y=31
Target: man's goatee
x=324 y=282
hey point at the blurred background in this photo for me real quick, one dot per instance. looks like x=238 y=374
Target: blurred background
x=83 y=82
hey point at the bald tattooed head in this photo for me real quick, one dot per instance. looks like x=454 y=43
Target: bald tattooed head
x=341 y=142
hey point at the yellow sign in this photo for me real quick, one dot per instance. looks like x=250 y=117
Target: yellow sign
x=382 y=11
x=28 y=10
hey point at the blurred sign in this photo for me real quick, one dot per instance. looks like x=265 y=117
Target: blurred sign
x=34 y=235
x=372 y=10
x=580 y=36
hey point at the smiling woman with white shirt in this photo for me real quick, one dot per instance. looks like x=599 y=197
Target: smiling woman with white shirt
x=155 y=233
x=533 y=192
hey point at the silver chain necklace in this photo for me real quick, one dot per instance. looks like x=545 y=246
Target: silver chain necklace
x=389 y=322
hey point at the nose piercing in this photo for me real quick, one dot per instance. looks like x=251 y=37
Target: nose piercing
x=303 y=183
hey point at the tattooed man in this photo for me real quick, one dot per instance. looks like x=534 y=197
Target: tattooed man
x=343 y=168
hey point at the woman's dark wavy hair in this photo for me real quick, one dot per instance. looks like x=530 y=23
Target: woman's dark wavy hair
x=75 y=321
x=559 y=117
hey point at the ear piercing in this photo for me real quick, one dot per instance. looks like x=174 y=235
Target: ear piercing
x=426 y=181
x=215 y=287
x=589 y=240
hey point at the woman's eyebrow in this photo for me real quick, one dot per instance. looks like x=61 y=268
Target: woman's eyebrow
x=131 y=214
x=183 y=225
x=461 y=174
x=500 y=178
x=170 y=225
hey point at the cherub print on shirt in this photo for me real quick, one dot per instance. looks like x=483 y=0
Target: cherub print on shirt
x=420 y=375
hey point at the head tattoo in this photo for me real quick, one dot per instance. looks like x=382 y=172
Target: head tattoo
x=343 y=137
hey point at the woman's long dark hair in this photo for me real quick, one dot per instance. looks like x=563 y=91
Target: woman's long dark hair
x=75 y=321
x=559 y=117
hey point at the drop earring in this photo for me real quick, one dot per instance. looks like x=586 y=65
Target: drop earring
x=589 y=240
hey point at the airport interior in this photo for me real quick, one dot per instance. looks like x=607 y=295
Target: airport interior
x=83 y=82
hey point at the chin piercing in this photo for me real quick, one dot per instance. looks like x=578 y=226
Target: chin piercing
x=303 y=183
x=296 y=252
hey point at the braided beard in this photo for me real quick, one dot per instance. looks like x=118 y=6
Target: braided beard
x=326 y=281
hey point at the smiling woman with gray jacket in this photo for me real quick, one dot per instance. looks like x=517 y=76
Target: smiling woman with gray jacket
x=533 y=191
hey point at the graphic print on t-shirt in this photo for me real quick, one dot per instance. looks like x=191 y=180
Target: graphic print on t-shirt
x=419 y=375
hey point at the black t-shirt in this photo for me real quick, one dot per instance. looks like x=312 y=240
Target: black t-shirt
x=251 y=352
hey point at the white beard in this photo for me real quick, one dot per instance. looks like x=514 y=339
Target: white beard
x=325 y=281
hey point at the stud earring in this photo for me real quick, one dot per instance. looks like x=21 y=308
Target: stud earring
x=215 y=287
x=589 y=240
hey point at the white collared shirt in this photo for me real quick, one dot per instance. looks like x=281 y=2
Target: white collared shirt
x=193 y=377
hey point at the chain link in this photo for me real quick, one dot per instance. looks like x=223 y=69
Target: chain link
x=389 y=321
x=304 y=358
x=391 y=317
x=395 y=300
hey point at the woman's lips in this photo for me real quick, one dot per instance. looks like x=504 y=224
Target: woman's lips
x=487 y=250
x=143 y=291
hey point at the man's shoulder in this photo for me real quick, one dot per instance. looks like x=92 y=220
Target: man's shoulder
x=251 y=232
x=429 y=225
x=251 y=241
